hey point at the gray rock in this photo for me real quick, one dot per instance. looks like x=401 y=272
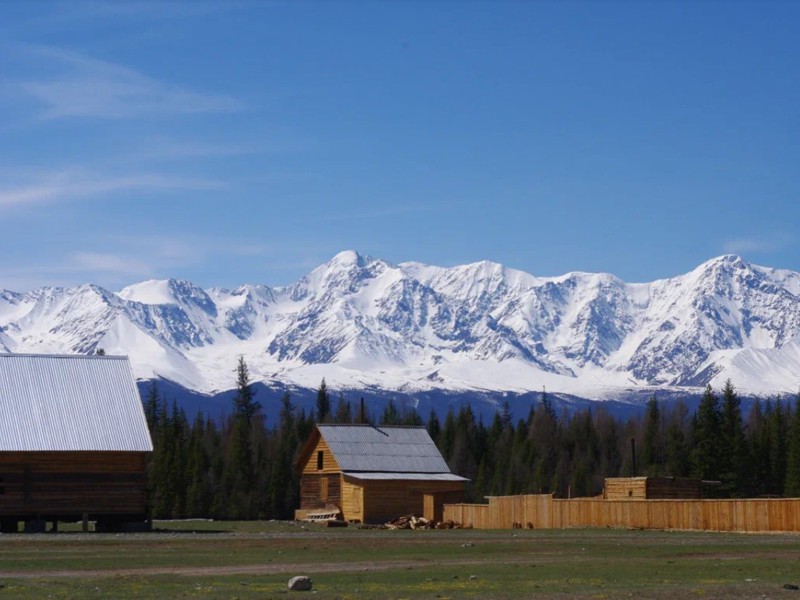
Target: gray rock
x=300 y=583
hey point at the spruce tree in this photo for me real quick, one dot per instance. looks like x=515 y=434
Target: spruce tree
x=282 y=485
x=198 y=502
x=433 y=427
x=344 y=412
x=241 y=463
x=151 y=407
x=653 y=442
x=323 y=402
x=676 y=445
x=792 y=483
x=778 y=434
x=391 y=415
x=734 y=461
x=707 y=437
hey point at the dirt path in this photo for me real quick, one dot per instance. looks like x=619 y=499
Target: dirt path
x=263 y=569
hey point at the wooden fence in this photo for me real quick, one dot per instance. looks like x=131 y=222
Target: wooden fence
x=546 y=512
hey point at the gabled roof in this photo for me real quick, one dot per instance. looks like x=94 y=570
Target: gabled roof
x=366 y=448
x=70 y=403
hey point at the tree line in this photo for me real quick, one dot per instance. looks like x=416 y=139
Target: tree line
x=241 y=469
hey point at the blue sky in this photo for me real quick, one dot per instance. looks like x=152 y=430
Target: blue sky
x=248 y=142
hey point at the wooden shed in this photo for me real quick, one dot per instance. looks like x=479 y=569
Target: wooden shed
x=651 y=488
x=374 y=474
x=73 y=441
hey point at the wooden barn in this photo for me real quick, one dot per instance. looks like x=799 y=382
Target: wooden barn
x=374 y=474
x=651 y=488
x=73 y=441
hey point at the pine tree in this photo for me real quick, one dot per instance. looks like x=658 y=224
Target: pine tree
x=151 y=407
x=792 y=484
x=282 y=484
x=778 y=434
x=198 y=501
x=653 y=442
x=244 y=402
x=676 y=447
x=545 y=433
x=433 y=427
x=734 y=461
x=391 y=416
x=344 y=412
x=241 y=464
x=323 y=402
x=758 y=446
x=179 y=431
x=707 y=437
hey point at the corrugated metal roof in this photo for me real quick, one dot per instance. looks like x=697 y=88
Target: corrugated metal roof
x=383 y=449
x=70 y=403
x=405 y=476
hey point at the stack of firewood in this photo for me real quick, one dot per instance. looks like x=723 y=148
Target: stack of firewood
x=413 y=522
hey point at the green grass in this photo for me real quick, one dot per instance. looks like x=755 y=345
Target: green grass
x=201 y=559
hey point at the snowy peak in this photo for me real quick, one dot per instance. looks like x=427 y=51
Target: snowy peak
x=169 y=291
x=364 y=322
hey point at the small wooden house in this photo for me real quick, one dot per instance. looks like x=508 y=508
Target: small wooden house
x=374 y=474
x=651 y=488
x=73 y=441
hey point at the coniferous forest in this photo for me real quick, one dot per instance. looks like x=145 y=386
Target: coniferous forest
x=240 y=469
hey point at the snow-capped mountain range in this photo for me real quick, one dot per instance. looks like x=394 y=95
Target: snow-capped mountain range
x=363 y=323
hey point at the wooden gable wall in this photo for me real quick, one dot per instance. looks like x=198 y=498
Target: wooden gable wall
x=319 y=487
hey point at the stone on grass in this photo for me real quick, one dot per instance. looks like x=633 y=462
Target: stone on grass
x=300 y=583
x=790 y=586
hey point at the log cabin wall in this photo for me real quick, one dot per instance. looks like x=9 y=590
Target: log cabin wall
x=668 y=488
x=68 y=484
x=625 y=488
x=317 y=491
x=320 y=479
x=386 y=500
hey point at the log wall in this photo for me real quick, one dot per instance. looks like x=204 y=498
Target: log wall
x=312 y=488
x=545 y=512
x=41 y=484
x=384 y=500
x=625 y=488
x=651 y=488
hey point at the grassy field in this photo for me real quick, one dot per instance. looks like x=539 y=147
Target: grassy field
x=200 y=559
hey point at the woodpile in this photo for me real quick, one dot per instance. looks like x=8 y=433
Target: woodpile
x=414 y=522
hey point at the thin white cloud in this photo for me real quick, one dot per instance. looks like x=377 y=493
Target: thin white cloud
x=110 y=263
x=91 y=88
x=764 y=245
x=70 y=185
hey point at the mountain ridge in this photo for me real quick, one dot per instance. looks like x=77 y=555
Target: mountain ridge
x=364 y=323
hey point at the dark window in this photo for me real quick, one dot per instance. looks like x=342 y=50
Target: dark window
x=319 y=460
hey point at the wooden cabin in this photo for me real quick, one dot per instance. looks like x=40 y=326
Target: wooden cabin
x=73 y=442
x=374 y=474
x=651 y=488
